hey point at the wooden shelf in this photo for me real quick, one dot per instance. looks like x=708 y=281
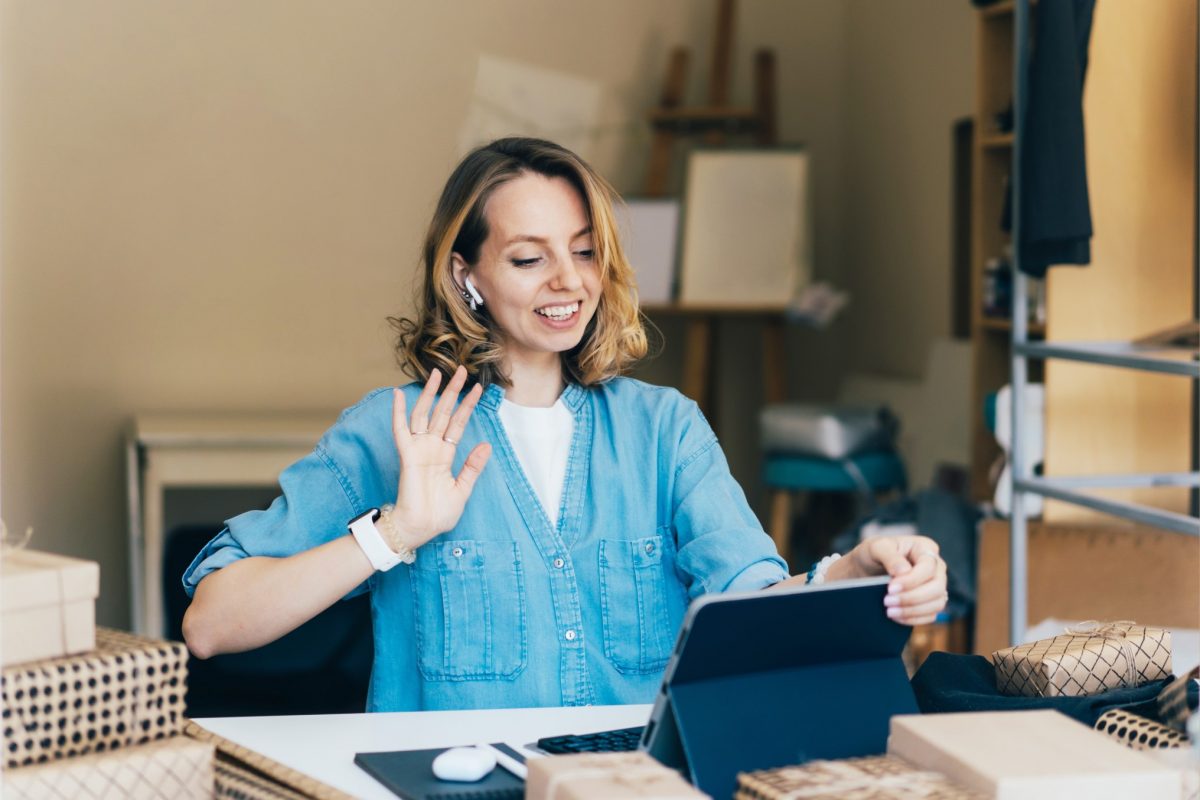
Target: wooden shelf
x=1001 y=9
x=713 y=309
x=1004 y=325
x=991 y=350
x=1004 y=8
x=699 y=118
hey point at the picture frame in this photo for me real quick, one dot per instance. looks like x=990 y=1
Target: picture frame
x=650 y=235
x=747 y=237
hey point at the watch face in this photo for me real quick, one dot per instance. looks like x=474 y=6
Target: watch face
x=371 y=514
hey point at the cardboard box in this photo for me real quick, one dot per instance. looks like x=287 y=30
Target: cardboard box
x=48 y=605
x=128 y=690
x=1029 y=755
x=178 y=768
x=867 y=778
x=605 y=776
x=1117 y=571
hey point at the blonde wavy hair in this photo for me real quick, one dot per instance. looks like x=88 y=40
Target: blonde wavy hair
x=445 y=332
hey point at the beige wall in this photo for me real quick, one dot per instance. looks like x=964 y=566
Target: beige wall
x=214 y=205
x=910 y=76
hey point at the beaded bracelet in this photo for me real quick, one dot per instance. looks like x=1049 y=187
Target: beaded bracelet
x=387 y=531
x=816 y=573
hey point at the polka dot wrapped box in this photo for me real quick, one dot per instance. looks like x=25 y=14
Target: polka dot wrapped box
x=1088 y=659
x=1138 y=732
x=129 y=690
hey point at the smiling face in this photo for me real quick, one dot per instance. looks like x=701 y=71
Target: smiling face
x=536 y=270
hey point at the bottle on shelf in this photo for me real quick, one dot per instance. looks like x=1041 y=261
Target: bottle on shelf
x=998 y=288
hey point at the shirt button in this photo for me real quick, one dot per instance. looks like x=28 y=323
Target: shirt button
x=649 y=547
x=457 y=552
x=558 y=563
x=570 y=636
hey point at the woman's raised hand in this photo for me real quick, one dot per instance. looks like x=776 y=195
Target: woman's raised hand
x=430 y=499
x=917 y=591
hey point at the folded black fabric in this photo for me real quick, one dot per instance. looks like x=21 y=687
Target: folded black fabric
x=950 y=682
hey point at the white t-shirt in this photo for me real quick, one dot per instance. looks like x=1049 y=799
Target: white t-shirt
x=541 y=438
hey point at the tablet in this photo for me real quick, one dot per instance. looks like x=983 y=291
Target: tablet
x=779 y=677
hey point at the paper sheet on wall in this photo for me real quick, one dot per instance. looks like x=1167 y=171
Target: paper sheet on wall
x=513 y=98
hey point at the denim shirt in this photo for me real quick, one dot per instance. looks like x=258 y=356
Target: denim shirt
x=506 y=610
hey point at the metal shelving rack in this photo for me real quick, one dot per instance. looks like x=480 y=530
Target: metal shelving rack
x=1114 y=354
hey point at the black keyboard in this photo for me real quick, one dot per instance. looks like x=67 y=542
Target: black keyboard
x=618 y=741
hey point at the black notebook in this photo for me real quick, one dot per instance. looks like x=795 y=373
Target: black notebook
x=409 y=774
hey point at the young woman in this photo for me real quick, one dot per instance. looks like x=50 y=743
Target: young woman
x=530 y=534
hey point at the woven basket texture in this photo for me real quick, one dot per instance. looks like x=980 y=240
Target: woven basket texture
x=868 y=778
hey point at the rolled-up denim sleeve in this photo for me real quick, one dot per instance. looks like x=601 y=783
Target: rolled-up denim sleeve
x=313 y=509
x=319 y=497
x=722 y=546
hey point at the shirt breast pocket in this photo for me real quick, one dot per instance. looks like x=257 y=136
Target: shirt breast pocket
x=638 y=635
x=469 y=598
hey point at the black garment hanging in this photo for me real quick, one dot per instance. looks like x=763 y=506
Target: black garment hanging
x=949 y=682
x=1056 y=220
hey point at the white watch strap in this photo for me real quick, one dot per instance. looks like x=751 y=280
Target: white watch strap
x=371 y=541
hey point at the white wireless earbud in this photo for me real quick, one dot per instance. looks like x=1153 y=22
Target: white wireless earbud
x=475 y=299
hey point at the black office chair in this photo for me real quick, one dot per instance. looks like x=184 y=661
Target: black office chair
x=322 y=667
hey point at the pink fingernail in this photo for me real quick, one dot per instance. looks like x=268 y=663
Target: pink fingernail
x=891 y=600
x=893 y=613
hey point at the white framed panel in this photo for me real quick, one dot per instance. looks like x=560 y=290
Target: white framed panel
x=650 y=236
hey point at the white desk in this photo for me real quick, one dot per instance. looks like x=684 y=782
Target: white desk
x=165 y=451
x=323 y=746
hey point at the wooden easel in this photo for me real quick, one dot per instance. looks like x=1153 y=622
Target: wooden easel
x=672 y=120
x=715 y=121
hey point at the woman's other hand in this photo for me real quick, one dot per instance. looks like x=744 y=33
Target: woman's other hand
x=429 y=498
x=917 y=591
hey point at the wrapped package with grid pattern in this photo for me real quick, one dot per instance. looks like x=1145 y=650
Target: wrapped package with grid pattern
x=47 y=605
x=175 y=768
x=245 y=774
x=1087 y=659
x=866 y=778
x=235 y=782
x=129 y=690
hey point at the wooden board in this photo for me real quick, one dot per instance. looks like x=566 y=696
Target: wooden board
x=1090 y=572
x=1140 y=113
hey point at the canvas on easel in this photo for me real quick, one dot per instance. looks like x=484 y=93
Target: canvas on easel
x=746 y=233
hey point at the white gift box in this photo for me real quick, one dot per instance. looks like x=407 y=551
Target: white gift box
x=1029 y=755
x=47 y=605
